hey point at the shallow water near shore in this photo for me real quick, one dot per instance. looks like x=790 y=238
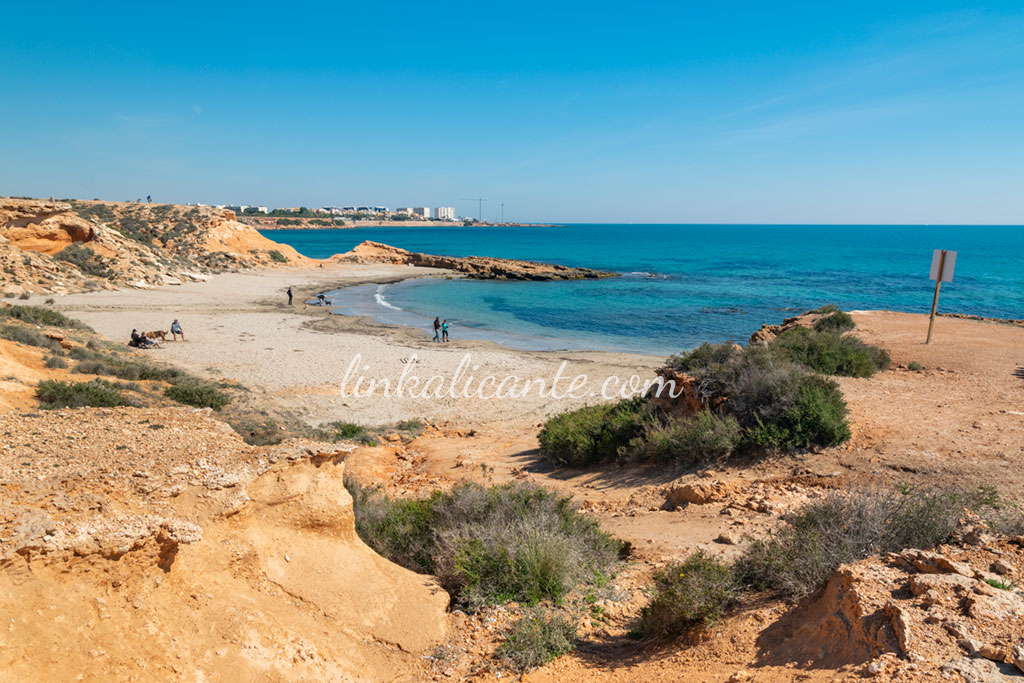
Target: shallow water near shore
x=681 y=284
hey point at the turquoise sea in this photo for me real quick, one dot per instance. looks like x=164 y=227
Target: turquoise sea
x=681 y=284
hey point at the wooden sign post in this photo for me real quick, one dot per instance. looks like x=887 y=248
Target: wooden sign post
x=943 y=263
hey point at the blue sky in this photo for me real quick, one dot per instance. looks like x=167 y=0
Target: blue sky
x=647 y=112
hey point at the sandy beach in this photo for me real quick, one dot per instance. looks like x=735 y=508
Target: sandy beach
x=239 y=327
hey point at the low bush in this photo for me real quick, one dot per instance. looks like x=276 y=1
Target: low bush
x=536 y=639
x=85 y=260
x=704 y=356
x=24 y=296
x=699 y=439
x=849 y=526
x=199 y=394
x=914 y=366
x=512 y=542
x=830 y=353
x=836 y=322
x=93 y=363
x=258 y=432
x=53 y=394
x=56 y=362
x=277 y=256
x=592 y=434
x=36 y=315
x=687 y=594
x=29 y=337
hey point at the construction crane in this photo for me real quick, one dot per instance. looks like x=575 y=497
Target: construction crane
x=480 y=205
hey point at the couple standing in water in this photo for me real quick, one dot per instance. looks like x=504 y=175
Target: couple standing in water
x=440 y=330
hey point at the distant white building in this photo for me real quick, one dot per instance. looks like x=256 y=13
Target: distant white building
x=405 y=210
x=445 y=213
x=262 y=209
x=421 y=211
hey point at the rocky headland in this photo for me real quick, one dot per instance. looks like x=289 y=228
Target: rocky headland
x=478 y=267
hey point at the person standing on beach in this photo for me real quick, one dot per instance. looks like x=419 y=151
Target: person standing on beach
x=437 y=329
x=176 y=330
x=289 y=296
x=444 y=331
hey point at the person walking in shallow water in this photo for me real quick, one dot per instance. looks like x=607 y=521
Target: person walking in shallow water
x=437 y=329
x=444 y=331
x=289 y=296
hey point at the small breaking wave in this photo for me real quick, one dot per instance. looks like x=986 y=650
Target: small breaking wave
x=643 y=274
x=379 y=298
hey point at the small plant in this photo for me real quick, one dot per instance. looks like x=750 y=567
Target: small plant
x=36 y=315
x=688 y=594
x=258 y=432
x=849 y=526
x=85 y=260
x=53 y=394
x=836 y=322
x=24 y=295
x=914 y=366
x=592 y=434
x=1001 y=585
x=536 y=639
x=198 y=394
x=54 y=362
x=487 y=545
x=699 y=439
x=29 y=337
x=50 y=301
x=277 y=256
x=830 y=353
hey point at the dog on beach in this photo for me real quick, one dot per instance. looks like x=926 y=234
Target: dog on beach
x=158 y=334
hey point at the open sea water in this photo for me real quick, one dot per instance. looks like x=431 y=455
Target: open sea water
x=681 y=284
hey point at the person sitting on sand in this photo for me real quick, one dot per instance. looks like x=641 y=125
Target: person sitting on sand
x=444 y=331
x=176 y=330
x=321 y=299
x=148 y=342
x=437 y=329
x=136 y=339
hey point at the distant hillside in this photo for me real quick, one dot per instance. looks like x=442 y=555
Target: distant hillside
x=65 y=246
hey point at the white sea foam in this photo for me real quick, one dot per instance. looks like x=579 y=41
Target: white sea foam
x=379 y=298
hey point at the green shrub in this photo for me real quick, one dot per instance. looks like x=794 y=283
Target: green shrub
x=704 y=356
x=198 y=394
x=699 y=439
x=29 y=337
x=592 y=434
x=827 y=308
x=914 y=366
x=93 y=363
x=85 y=260
x=830 y=353
x=258 y=432
x=816 y=418
x=697 y=591
x=53 y=394
x=511 y=542
x=849 y=526
x=536 y=639
x=56 y=362
x=36 y=315
x=836 y=322
x=277 y=256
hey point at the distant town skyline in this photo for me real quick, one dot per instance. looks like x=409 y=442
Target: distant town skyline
x=656 y=112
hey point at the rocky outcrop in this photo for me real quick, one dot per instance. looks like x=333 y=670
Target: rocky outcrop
x=767 y=333
x=60 y=247
x=153 y=544
x=916 y=613
x=479 y=267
